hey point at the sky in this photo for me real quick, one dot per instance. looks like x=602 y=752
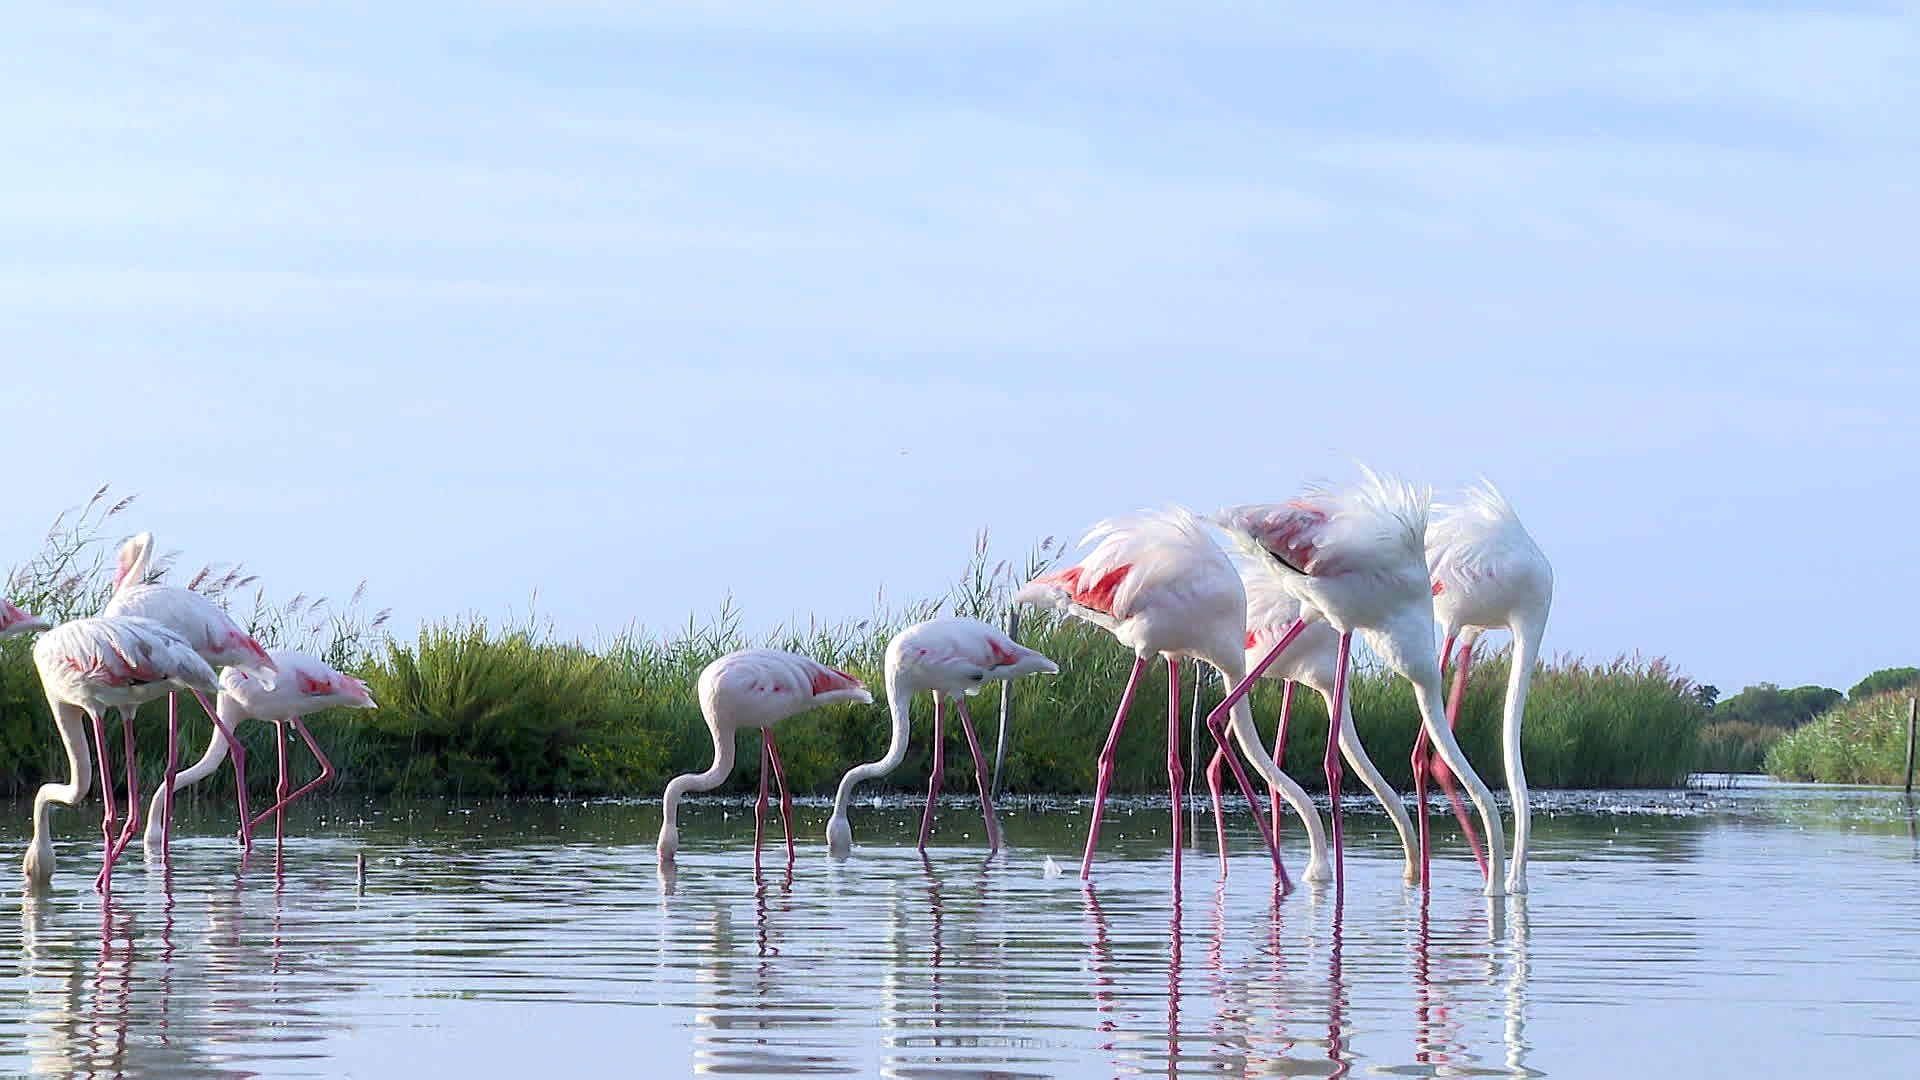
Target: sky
x=615 y=312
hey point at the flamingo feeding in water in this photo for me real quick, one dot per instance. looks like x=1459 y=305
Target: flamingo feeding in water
x=955 y=658
x=87 y=667
x=14 y=622
x=1357 y=558
x=303 y=685
x=1488 y=574
x=754 y=688
x=1310 y=660
x=209 y=632
x=1160 y=585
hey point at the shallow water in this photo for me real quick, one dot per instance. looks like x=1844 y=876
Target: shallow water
x=1764 y=928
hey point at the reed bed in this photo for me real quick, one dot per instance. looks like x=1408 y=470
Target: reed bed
x=1861 y=742
x=473 y=708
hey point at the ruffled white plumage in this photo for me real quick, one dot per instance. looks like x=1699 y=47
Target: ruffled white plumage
x=303 y=685
x=122 y=660
x=1140 y=563
x=204 y=624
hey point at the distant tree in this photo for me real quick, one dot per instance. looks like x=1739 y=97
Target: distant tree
x=1769 y=706
x=1892 y=678
x=1706 y=694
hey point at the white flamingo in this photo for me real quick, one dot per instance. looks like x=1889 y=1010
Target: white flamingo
x=1159 y=584
x=303 y=685
x=753 y=688
x=1310 y=660
x=87 y=667
x=209 y=632
x=1357 y=558
x=1488 y=574
x=955 y=658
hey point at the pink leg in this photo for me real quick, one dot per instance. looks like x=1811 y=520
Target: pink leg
x=133 y=789
x=1217 y=724
x=173 y=768
x=939 y=766
x=760 y=807
x=1214 y=769
x=1176 y=771
x=239 y=755
x=786 y=798
x=1422 y=754
x=1445 y=775
x=1333 y=767
x=1280 y=749
x=103 y=881
x=280 y=791
x=980 y=777
x=326 y=773
x=1105 y=776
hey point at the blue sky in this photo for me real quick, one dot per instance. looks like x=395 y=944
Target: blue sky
x=634 y=309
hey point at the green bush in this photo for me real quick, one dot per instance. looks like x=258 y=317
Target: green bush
x=1862 y=742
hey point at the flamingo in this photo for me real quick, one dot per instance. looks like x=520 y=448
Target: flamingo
x=14 y=622
x=1488 y=574
x=1357 y=559
x=1161 y=586
x=212 y=634
x=955 y=657
x=87 y=667
x=753 y=688
x=1310 y=660
x=303 y=686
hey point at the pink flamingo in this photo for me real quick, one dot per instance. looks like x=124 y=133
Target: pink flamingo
x=1160 y=585
x=1310 y=660
x=212 y=634
x=1487 y=574
x=14 y=622
x=87 y=667
x=1357 y=559
x=754 y=688
x=303 y=685
x=954 y=658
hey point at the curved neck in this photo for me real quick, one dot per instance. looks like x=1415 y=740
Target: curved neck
x=133 y=563
x=1429 y=697
x=899 y=703
x=1526 y=652
x=712 y=778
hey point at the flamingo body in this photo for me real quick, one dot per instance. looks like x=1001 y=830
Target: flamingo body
x=1487 y=573
x=303 y=685
x=1356 y=557
x=754 y=689
x=86 y=667
x=212 y=633
x=1162 y=587
x=953 y=657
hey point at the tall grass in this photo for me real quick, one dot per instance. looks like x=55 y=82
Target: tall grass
x=1736 y=746
x=1861 y=742
x=473 y=708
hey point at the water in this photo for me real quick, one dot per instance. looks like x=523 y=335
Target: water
x=1766 y=928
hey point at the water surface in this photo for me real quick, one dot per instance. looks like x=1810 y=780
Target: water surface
x=1767 y=928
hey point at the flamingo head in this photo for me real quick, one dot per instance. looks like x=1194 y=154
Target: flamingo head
x=13 y=621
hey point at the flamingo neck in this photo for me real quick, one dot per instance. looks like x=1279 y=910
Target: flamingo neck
x=713 y=777
x=899 y=704
x=134 y=570
x=1526 y=653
